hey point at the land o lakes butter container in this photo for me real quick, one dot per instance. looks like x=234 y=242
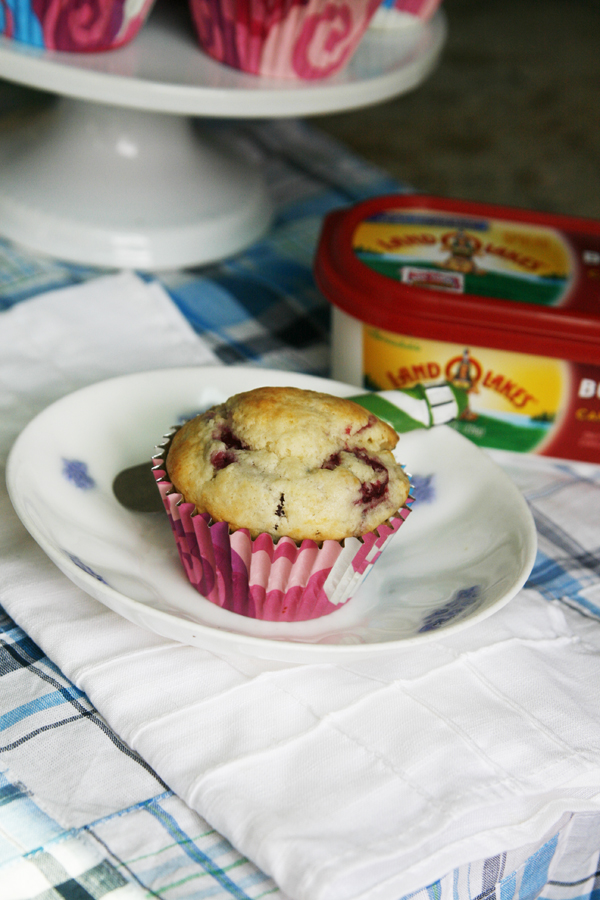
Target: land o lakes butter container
x=501 y=305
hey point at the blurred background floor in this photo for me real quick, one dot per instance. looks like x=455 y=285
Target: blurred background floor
x=511 y=114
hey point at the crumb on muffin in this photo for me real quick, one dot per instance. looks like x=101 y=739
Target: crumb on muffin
x=289 y=462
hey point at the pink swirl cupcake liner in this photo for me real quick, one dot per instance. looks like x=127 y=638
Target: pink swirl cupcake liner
x=263 y=579
x=282 y=38
x=423 y=9
x=398 y=13
x=78 y=26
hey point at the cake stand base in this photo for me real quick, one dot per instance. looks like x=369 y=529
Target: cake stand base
x=125 y=188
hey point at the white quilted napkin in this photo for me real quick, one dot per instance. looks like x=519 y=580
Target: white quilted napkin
x=364 y=780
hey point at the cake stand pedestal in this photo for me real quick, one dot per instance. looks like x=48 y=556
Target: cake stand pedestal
x=118 y=170
x=126 y=188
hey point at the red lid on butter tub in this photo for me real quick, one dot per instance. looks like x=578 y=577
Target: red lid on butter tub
x=456 y=271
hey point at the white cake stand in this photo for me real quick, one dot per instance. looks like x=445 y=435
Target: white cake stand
x=117 y=173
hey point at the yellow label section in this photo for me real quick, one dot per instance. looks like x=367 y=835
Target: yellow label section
x=459 y=254
x=511 y=400
x=515 y=248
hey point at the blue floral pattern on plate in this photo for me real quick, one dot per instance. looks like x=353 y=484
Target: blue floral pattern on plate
x=462 y=600
x=423 y=488
x=81 y=565
x=76 y=471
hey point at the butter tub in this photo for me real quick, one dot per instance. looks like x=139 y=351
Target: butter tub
x=501 y=305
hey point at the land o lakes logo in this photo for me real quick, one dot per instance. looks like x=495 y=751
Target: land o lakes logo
x=466 y=374
x=462 y=247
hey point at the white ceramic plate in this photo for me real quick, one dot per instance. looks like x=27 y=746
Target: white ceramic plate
x=464 y=552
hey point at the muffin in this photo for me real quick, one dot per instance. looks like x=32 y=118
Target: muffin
x=74 y=26
x=282 y=499
x=303 y=39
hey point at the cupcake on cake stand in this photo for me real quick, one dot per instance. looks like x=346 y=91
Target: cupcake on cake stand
x=117 y=170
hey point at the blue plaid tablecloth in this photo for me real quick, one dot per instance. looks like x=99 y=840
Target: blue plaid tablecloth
x=260 y=308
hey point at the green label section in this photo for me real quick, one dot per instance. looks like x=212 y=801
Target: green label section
x=496 y=285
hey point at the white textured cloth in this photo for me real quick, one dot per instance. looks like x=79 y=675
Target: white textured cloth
x=364 y=780
x=66 y=339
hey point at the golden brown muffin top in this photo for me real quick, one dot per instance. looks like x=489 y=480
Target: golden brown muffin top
x=289 y=462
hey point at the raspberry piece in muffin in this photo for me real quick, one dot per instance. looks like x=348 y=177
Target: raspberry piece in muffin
x=289 y=462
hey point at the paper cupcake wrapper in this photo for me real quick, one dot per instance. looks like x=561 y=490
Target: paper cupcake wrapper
x=264 y=579
x=422 y=9
x=72 y=26
x=282 y=38
x=402 y=13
